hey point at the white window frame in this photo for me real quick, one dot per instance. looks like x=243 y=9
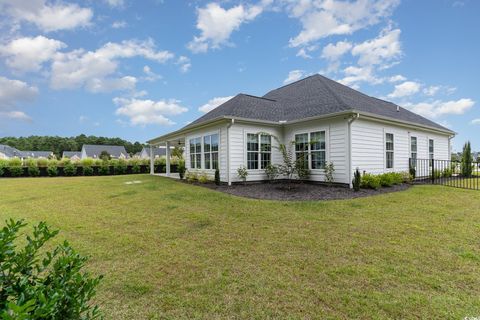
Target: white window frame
x=210 y=153
x=202 y=149
x=309 y=146
x=259 y=151
x=389 y=151
x=200 y=166
x=416 y=147
x=431 y=155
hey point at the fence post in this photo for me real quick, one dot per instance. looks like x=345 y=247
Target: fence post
x=433 y=171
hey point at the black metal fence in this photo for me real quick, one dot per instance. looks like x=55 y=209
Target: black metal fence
x=446 y=172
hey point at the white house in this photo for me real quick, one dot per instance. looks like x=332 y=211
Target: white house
x=95 y=151
x=157 y=152
x=325 y=121
x=72 y=155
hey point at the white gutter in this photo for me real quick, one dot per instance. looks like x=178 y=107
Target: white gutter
x=229 y=181
x=350 y=121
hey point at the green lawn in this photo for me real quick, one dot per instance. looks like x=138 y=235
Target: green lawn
x=170 y=250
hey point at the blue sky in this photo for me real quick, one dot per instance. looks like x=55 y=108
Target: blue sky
x=120 y=68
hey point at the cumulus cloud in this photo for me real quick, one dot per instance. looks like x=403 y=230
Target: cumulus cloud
x=16 y=115
x=404 y=89
x=119 y=24
x=95 y=70
x=216 y=24
x=28 y=54
x=213 y=103
x=475 y=121
x=116 y=3
x=438 y=108
x=144 y=112
x=294 y=75
x=335 y=51
x=48 y=15
x=184 y=63
x=396 y=78
x=321 y=19
x=380 y=50
x=13 y=92
x=355 y=75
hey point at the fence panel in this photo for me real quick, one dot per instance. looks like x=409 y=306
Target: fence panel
x=446 y=172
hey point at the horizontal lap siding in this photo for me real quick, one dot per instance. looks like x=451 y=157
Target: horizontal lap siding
x=238 y=147
x=368 y=146
x=337 y=145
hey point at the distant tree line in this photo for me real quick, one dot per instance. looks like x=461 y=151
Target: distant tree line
x=58 y=144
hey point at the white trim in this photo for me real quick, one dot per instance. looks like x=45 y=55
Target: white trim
x=308 y=132
x=385 y=150
x=245 y=149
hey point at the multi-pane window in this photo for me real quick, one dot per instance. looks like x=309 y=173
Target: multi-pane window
x=431 y=149
x=312 y=143
x=413 y=148
x=259 y=151
x=210 y=151
x=317 y=147
x=196 y=153
x=389 y=148
x=301 y=148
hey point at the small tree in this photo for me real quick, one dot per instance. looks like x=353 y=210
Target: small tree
x=467 y=158
x=104 y=155
x=357 y=180
x=39 y=284
x=271 y=171
x=217 y=177
x=329 y=171
x=242 y=174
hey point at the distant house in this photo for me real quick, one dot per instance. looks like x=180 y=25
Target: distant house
x=7 y=152
x=72 y=155
x=157 y=152
x=36 y=154
x=94 y=151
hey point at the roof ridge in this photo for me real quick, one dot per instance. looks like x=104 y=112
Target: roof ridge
x=334 y=94
x=292 y=83
x=251 y=95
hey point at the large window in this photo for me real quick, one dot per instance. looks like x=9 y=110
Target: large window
x=389 y=148
x=312 y=144
x=413 y=148
x=210 y=151
x=196 y=153
x=431 y=149
x=259 y=151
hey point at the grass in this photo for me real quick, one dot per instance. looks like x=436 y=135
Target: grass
x=170 y=250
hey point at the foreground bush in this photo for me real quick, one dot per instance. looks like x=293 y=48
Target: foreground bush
x=370 y=181
x=35 y=284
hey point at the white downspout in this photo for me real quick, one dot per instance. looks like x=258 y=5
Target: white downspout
x=350 y=121
x=152 y=169
x=229 y=181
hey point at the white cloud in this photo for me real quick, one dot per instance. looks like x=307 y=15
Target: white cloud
x=335 y=51
x=475 y=121
x=116 y=3
x=431 y=90
x=213 y=103
x=48 y=16
x=303 y=53
x=119 y=24
x=354 y=75
x=14 y=91
x=150 y=75
x=438 y=108
x=143 y=112
x=321 y=19
x=294 y=75
x=216 y=24
x=95 y=70
x=380 y=50
x=16 y=115
x=396 y=78
x=28 y=54
x=404 y=89
x=184 y=63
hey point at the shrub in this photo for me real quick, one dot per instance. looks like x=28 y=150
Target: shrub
x=370 y=181
x=15 y=162
x=301 y=168
x=191 y=176
x=242 y=174
x=87 y=171
x=203 y=178
x=16 y=171
x=467 y=159
x=412 y=171
x=397 y=177
x=120 y=167
x=386 y=180
x=217 y=177
x=406 y=177
x=357 y=180
x=39 y=284
x=87 y=162
x=69 y=169
x=437 y=174
x=181 y=169
x=104 y=168
x=97 y=162
x=52 y=170
x=272 y=172
x=30 y=162
x=64 y=161
x=42 y=162
x=329 y=171
x=160 y=161
x=33 y=171
x=136 y=168
x=3 y=166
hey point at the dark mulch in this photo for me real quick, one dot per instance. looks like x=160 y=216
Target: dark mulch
x=299 y=191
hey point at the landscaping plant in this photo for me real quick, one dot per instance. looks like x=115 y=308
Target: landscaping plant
x=39 y=284
x=357 y=180
x=301 y=168
x=467 y=159
x=370 y=181
x=242 y=174
x=272 y=172
x=87 y=171
x=203 y=177
x=217 y=177
x=329 y=171
x=69 y=169
x=52 y=170
x=181 y=169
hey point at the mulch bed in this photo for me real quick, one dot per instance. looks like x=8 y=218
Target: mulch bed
x=298 y=191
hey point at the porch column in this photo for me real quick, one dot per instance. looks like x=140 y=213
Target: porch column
x=167 y=155
x=152 y=169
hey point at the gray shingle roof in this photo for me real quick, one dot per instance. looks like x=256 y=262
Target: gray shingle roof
x=310 y=97
x=10 y=152
x=36 y=154
x=157 y=152
x=69 y=154
x=94 y=151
